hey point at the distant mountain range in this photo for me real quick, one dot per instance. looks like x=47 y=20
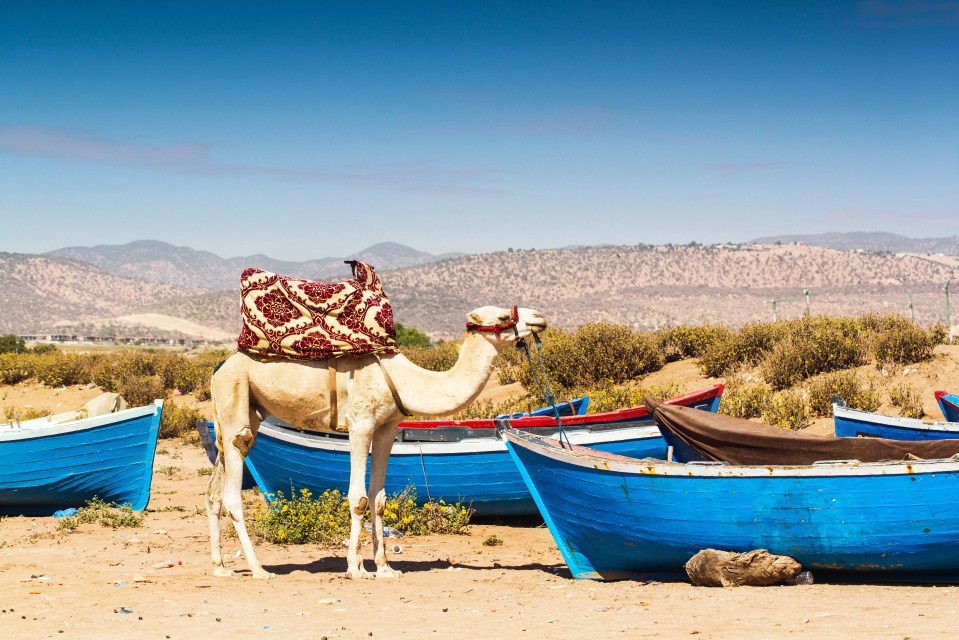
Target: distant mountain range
x=871 y=241
x=164 y=263
x=639 y=285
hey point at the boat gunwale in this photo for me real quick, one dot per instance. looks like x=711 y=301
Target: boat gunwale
x=848 y=413
x=41 y=430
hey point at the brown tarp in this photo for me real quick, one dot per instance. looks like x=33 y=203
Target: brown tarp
x=737 y=441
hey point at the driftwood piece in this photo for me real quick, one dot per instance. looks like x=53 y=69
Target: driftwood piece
x=712 y=568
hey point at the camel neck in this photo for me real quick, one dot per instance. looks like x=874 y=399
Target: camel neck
x=438 y=393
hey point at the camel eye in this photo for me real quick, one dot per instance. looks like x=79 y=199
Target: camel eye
x=504 y=318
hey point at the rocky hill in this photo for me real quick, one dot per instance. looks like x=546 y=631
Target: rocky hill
x=165 y=263
x=870 y=241
x=644 y=286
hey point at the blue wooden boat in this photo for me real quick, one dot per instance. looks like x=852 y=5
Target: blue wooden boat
x=576 y=406
x=450 y=460
x=614 y=517
x=47 y=466
x=949 y=404
x=853 y=422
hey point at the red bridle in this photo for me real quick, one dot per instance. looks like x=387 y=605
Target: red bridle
x=496 y=328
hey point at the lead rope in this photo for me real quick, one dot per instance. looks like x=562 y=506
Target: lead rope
x=543 y=383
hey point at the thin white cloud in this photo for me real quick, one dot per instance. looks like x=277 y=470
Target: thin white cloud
x=908 y=13
x=197 y=159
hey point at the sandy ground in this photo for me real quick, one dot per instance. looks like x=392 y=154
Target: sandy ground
x=98 y=581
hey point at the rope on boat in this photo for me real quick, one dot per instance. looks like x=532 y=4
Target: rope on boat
x=542 y=382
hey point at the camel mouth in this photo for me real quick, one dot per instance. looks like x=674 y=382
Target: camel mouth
x=537 y=327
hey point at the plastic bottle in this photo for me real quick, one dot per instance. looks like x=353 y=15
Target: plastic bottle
x=803 y=577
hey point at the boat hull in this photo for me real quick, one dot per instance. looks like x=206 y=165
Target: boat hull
x=56 y=466
x=853 y=423
x=476 y=470
x=614 y=518
x=949 y=404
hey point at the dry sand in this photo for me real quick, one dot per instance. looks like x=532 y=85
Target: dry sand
x=98 y=581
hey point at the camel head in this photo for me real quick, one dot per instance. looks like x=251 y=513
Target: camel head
x=502 y=326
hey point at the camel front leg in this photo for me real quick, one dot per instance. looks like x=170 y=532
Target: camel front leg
x=360 y=438
x=382 y=445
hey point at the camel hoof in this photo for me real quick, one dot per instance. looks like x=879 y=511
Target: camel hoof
x=263 y=574
x=388 y=572
x=357 y=574
x=222 y=572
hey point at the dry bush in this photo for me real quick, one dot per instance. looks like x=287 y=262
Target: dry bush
x=812 y=346
x=687 y=341
x=744 y=398
x=177 y=420
x=788 y=409
x=899 y=341
x=908 y=400
x=440 y=357
x=848 y=385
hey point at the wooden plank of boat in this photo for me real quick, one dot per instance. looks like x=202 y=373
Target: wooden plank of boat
x=45 y=467
x=614 y=517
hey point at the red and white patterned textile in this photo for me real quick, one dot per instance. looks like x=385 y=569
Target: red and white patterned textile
x=291 y=318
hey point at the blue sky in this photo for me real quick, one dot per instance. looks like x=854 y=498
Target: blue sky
x=303 y=130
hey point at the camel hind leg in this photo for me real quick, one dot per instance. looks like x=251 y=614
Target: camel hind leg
x=236 y=425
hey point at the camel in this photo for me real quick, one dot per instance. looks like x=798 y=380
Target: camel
x=246 y=389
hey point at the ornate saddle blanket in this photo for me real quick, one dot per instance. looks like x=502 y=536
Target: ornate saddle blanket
x=291 y=318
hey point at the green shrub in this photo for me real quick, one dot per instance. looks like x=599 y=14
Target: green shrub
x=746 y=347
x=618 y=396
x=15 y=368
x=142 y=390
x=900 y=341
x=848 y=385
x=744 y=399
x=692 y=341
x=787 y=409
x=12 y=344
x=326 y=519
x=908 y=400
x=812 y=346
x=596 y=355
x=105 y=514
x=440 y=357
x=410 y=337
x=176 y=420
x=59 y=369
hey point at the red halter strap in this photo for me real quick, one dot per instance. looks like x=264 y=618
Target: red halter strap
x=496 y=328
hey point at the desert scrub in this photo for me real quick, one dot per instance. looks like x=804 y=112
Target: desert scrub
x=856 y=392
x=25 y=413
x=691 y=341
x=14 y=368
x=105 y=514
x=898 y=341
x=440 y=357
x=325 y=519
x=788 y=409
x=744 y=398
x=907 y=399
x=596 y=355
x=812 y=346
x=747 y=347
x=178 y=420
x=612 y=396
